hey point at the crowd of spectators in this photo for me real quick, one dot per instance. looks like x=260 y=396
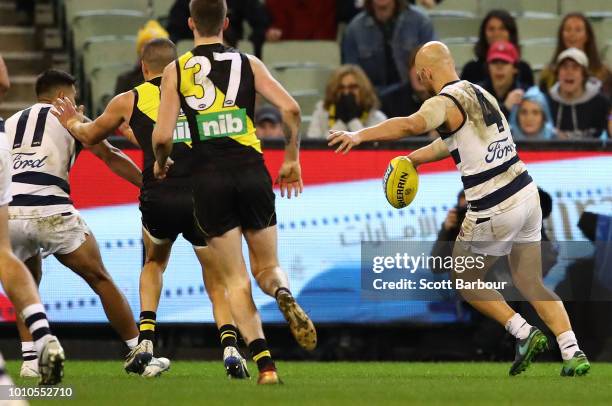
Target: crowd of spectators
x=378 y=40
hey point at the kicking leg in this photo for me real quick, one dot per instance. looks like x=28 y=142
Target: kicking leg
x=273 y=281
x=530 y=340
x=526 y=265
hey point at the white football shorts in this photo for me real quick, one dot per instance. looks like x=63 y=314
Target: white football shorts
x=494 y=234
x=56 y=234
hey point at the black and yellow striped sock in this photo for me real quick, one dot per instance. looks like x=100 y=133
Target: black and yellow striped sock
x=228 y=335
x=261 y=355
x=147 y=326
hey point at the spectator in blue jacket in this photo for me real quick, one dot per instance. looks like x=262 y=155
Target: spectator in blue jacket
x=531 y=118
x=380 y=39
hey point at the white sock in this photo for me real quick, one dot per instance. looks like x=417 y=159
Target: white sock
x=518 y=327
x=132 y=342
x=35 y=319
x=567 y=344
x=28 y=351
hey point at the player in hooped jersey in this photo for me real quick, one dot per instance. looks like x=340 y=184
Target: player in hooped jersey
x=42 y=219
x=166 y=205
x=216 y=87
x=21 y=288
x=504 y=215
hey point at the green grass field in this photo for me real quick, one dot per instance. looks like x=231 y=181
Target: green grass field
x=309 y=383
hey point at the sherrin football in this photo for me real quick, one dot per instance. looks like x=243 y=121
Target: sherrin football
x=401 y=182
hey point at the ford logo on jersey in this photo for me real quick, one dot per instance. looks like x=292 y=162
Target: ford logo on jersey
x=498 y=150
x=21 y=161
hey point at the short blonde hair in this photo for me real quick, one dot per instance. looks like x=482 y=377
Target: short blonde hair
x=367 y=96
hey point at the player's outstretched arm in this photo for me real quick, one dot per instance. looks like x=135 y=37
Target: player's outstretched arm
x=290 y=174
x=169 y=108
x=431 y=115
x=116 y=113
x=118 y=162
x=435 y=151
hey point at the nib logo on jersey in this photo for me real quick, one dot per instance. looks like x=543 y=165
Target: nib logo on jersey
x=222 y=124
x=181 y=131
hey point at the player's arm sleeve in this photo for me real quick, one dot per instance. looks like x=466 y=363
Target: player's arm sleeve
x=433 y=113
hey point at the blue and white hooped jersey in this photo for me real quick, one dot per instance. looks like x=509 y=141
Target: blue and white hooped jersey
x=493 y=176
x=42 y=154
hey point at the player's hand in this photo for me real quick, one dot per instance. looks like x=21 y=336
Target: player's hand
x=451 y=219
x=344 y=139
x=159 y=172
x=290 y=179
x=67 y=113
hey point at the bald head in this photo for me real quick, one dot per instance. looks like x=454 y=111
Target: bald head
x=434 y=55
x=435 y=65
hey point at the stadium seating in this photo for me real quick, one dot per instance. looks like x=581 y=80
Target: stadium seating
x=463 y=52
x=326 y=53
x=73 y=7
x=161 y=8
x=89 y=24
x=603 y=32
x=246 y=47
x=303 y=77
x=520 y=7
x=183 y=46
x=538 y=52
x=307 y=100
x=459 y=8
x=538 y=27
x=103 y=84
x=591 y=8
x=108 y=50
x=455 y=27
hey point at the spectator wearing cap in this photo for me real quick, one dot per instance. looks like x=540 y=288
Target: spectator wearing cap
x=503 y=81
x=133 y=77
x=380 y=39
x=498 y=25
x=268 y=123
x=579 y=109
x=576 y=31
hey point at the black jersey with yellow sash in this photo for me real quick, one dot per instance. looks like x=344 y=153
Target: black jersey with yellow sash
x=144 y=117
x=217 y=91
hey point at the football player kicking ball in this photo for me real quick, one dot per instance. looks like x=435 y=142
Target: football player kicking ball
x=504 y=215
x=233 y=197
